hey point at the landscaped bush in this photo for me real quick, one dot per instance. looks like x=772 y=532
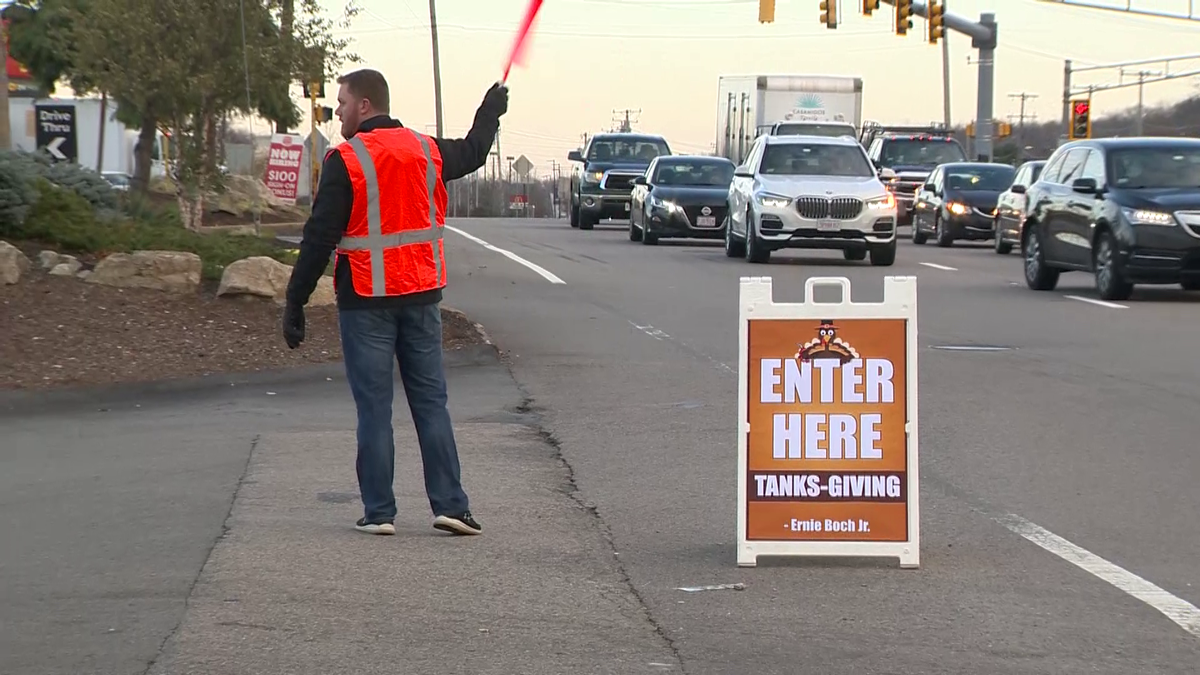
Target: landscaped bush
x=17 y=195
x=81 y=180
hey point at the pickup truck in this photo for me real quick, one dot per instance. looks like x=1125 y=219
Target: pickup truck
x=912 y=153
x=603 y=186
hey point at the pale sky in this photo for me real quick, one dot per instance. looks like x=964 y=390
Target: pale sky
x=590 y=57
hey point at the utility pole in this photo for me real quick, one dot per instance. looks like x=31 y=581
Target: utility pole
x=1144 y=77
x=1140 y=121
x=5 y=128
x=945 y=77
x=624 y=124
x=1023 y=96
x=437 y=69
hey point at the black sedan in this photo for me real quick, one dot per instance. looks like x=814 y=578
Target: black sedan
x=680 y=196
x=958 y=201
x=1126 y=210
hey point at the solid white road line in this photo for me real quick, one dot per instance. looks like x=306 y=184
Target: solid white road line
x=940 y=267
x=1101 y=303
x=1176 y=609
x=545 y=273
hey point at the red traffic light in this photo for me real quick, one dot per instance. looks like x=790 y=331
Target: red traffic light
x=1081 y=107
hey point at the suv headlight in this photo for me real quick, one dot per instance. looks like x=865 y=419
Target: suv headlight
x=884 y=203
x=593 y=177
x=772 y=201
x=1145 y=217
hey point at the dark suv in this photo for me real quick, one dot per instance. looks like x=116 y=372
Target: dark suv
x=610 y=163
x=1125 y=209
x=913 y=156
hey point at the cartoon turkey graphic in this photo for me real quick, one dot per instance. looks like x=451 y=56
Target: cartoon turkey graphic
x=827 y=345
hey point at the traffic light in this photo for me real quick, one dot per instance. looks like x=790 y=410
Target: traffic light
x=903 y=16
x=766 y=11
x=323 y=114
x=869 y=6
x=936 y=22
x=1081 y=119
x=829 y=13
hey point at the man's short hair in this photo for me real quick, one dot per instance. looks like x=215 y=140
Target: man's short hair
x=368 y=84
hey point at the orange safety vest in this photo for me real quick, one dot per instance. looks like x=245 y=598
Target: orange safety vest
x=393 y=242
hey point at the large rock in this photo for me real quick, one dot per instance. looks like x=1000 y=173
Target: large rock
x=13 y=263
x=259 y=276
x=171 y=271
x=66 y=266
x=265 y=277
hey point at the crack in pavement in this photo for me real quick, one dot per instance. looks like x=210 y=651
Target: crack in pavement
x=575 y=494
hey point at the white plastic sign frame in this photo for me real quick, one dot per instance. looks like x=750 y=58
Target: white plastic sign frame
x=899 y=302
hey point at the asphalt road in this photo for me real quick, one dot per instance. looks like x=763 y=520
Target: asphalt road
x=1084 y=427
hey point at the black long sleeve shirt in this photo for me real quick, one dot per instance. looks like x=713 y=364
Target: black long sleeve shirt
x=335 y=197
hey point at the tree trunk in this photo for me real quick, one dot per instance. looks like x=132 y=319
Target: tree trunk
x=143 y=153
x=287 y=19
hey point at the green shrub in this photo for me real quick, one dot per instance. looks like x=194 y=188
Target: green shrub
x=81 y=180
x=17 y=196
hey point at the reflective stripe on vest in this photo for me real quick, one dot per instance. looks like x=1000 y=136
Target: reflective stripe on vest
x=376 y=241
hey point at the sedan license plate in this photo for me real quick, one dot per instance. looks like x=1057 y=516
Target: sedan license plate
x=626 y=206
x=827 y=225
x=706 y=221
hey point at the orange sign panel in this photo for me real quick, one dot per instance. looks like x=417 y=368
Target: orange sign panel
x=827 y=448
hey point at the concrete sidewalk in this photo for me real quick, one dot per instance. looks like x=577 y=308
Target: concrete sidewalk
x=291 y=588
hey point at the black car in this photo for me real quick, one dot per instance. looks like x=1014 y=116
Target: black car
x=680 y=196
x=958 y=201
x=1125 y=209
x=602 y=187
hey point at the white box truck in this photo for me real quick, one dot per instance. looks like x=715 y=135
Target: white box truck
x=751 y=105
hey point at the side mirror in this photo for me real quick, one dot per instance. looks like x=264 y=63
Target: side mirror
x=574 y=156
x=887 y=174
x=1017 y=189
x=640 y=180
x=742 y=172
x=1086 y=186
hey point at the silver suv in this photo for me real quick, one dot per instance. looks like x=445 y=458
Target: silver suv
x=810 y=192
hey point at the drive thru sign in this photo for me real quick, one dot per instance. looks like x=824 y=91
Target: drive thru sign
x=827 y=424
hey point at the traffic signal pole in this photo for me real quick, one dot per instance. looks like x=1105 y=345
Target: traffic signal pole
x=983 y=38
x=1071 y=91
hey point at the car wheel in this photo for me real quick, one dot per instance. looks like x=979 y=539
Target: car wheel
x=1110 y=283
x=755 y=251
x=635 y=233
x=944 y=237
x=918 y=237
x=855 y=253
x=1038 y=276
x=648 y=237
x=1002 y=247
x=884 y=256
x=1190 y=284
x=733 y=247
x=586 y=221
x=574 y=216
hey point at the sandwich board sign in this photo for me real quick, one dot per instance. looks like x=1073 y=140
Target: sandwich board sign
x=827 y=424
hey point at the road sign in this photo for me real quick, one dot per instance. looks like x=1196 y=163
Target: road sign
x=827 y=424
x=523 y=166
x=56 y=131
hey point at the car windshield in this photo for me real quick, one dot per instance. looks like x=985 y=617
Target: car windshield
x=717 y=174
x=626 y=150
x=829 y=130
x=918 y=152
x=994 y=178
x=813 y=159
x=1150 y=167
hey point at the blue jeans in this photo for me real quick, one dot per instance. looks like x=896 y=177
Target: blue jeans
x=412 y=335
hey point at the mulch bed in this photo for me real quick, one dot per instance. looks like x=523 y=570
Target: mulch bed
x=60 y=331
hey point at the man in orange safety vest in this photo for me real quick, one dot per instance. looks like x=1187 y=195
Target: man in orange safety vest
x=381 y=206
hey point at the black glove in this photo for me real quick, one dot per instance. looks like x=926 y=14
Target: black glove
x=293 y=324
x=495 y=101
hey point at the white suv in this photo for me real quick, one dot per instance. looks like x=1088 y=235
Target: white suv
x=810 y=192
